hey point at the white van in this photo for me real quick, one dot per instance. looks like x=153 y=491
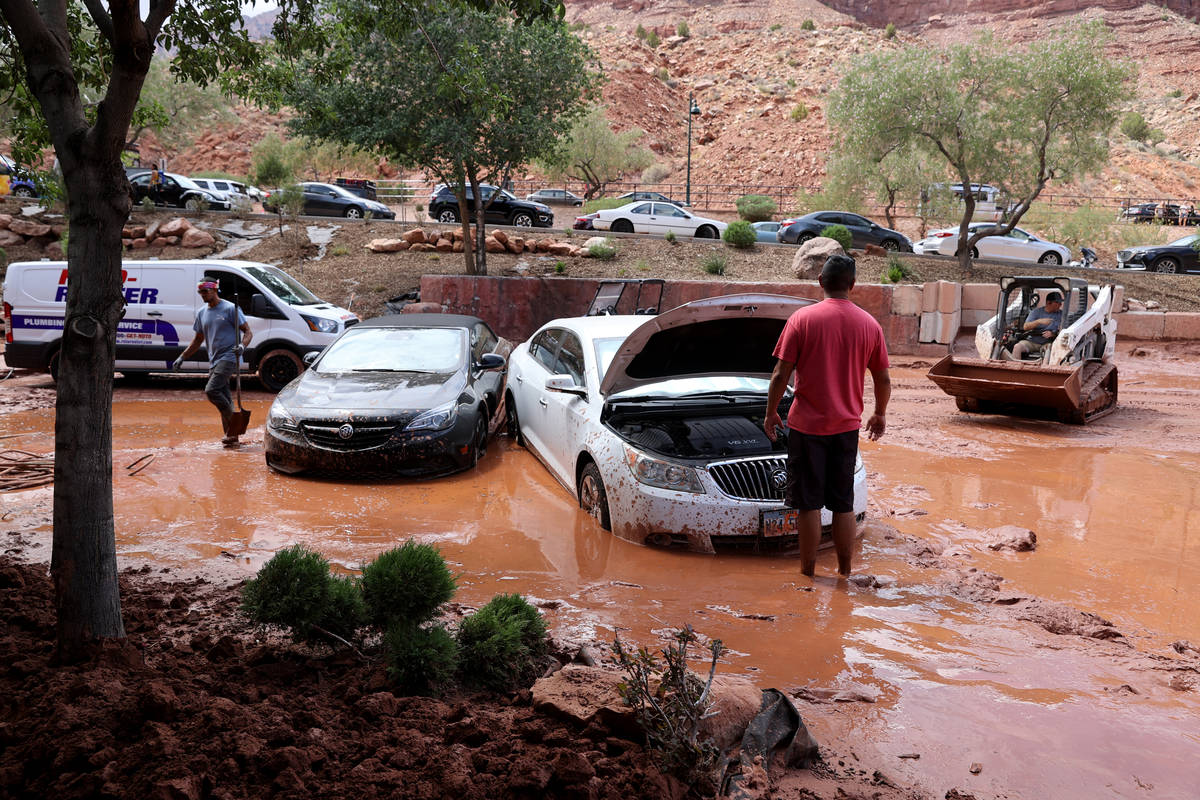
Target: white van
x=161 y=302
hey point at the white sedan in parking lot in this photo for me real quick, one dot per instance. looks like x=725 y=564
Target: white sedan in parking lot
x=659 y=218
x=1016 y=245
x=655 y=423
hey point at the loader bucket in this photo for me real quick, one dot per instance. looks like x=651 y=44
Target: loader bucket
x=1076 y=393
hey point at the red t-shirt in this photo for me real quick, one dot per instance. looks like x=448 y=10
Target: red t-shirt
x=832 y=343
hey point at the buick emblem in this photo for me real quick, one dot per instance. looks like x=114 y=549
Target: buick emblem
x=346 y=431
x=779 y=478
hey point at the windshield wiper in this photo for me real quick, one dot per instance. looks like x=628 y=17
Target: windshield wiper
x=388 y=369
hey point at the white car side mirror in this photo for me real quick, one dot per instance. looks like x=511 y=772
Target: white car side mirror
x=566 y=385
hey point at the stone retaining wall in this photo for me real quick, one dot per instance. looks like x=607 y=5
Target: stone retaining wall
x=917 y=319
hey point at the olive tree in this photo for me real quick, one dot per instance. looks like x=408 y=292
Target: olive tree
x=988 y=112
x=466 y=94
x=596 y=155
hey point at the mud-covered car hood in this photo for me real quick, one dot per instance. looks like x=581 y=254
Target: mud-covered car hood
x=730 y=335
x=378 y=393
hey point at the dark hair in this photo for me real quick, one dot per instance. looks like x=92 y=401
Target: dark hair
x=1054 y=297
x=838 y=273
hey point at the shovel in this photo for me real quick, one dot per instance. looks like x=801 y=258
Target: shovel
x=240 y=419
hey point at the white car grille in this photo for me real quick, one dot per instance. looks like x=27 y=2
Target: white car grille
x=761 y=479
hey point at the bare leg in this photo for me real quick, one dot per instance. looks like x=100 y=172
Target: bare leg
x=843 y=540
x=810 y=537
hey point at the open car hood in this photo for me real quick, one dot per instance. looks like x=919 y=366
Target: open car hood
x=730 y=335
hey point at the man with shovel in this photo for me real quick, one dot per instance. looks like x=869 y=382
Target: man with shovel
x=215 y=328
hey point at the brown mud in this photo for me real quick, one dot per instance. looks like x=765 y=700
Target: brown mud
x=1061 y=670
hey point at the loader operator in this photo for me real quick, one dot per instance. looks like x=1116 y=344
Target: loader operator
x=1041 y=326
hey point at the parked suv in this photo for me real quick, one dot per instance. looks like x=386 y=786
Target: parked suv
x=505 y=209
x=176 y=190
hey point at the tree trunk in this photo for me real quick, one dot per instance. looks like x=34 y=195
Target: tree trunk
x=480 y=227
x=84 y=559
x=964 y=238
x=464 y=215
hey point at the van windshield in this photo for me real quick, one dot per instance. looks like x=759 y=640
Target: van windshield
x=285 y=287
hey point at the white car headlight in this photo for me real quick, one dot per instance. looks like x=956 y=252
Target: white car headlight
x=662 y=474
x=435 y=419
x=278 y=419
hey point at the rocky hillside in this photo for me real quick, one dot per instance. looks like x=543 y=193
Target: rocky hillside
x=749 y=63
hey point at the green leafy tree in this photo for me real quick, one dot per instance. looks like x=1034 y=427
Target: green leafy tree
x=72 y=75
x=596 y=155
x=466 y=94
x=989 y=112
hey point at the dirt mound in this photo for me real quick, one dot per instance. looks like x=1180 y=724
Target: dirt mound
x=192 y=706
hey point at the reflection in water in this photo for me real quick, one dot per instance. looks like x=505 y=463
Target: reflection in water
x=1116 y=535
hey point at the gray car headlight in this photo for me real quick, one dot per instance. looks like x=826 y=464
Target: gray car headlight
x=278 y=419
x=435 y=419
x=663 y=474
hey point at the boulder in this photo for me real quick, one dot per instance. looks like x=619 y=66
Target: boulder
x=134 y=232
x=500 y=236
x=8 y=238
x=560 y=249
x=415 y=236
x=28 y=228
x=140 y=244
x=542 y=245
x=174 y=227
x=53 y=250
x=493 y=246
x=194 y=237
x=736 y=701
x=811 y=256
x=444 y=246
x=1012 y=537
x=386 y=245
x=151 y=230
x=5 y=221
x=515 y=245
x=595 y=241
x=459 y=245
x=874 y=250
x=167 y=241
x=422 y=247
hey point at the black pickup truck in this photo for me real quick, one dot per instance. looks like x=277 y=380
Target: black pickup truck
x=359 y=186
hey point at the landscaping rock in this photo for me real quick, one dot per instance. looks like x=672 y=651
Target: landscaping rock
x=500 y=236
x=27 y=228
x=516 y=245
x=422 y=247
x=387 y=245
x=416 y=236
x=812 y=255
x=8 y=238
x=194 y=237
x=492 y=245
x=596 y=241
x=874 y=250
x=174 y=227
x=560 y=249
x=1012 y=537
x=5 y=220
x=444 y=245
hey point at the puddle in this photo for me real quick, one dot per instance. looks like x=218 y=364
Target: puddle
x=1118 y=534
x=321 y=236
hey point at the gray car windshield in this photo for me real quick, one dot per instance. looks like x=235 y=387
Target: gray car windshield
x=1187 y=241
x=285 y=287
x=438 y=350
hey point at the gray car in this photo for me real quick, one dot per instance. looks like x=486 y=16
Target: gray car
x=862 y=230
x=555 y=197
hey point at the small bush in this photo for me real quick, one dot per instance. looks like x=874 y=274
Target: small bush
x=895 y=270
x=662 y=74
x=890 y=31
x=714 y=263
x=808 y=25
x=755 y=207
x=406 y=584
x=775 y=27
x=147 y=204
x=652 y=39
x=339 y=250
x=682 y=29
x=291 y=590
x=671 y=238
x=640 y=32
x=840 y=234
x=420 y=660
x=799 y=112
x=345 y=612
x=1134 y=126
x=655 y=173
x=604 y=252
x=560 y=267
x=740 y=234
x=1175 y=93
x=501 y=644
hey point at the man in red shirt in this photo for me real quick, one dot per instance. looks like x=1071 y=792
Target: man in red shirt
x=830 y=346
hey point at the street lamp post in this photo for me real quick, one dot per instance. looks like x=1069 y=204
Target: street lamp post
x=693 y=110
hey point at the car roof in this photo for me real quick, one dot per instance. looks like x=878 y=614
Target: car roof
x=601 y=326
x=424 y=320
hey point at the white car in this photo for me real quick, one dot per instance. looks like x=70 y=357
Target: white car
x=655 y=423
x=644 y=216
x=1016 y=245
x=231 y=189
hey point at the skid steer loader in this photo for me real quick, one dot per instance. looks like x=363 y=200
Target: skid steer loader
x=1073 y=375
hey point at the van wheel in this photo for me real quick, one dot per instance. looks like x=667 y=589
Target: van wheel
x=278 y=368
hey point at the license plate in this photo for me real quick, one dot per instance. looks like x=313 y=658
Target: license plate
x=784 y=522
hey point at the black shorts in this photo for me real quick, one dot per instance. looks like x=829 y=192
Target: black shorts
x=821 y=471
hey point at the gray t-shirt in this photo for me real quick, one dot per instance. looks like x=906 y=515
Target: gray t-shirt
x=1047 y=321
x=220 y=332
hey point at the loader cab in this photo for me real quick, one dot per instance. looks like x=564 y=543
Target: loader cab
x=1019 y=296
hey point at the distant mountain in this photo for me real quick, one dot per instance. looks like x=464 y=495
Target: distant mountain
x=259 y=25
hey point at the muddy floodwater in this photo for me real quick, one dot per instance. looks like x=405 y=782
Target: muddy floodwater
x=1050 y=670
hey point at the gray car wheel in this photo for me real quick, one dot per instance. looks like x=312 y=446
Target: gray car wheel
x=522 y=219
x=804 y=237
x=706 y=232
x=1166 y=264
x=592 y=497
x=353 y=212
x=447 y=215
x=1050 y=258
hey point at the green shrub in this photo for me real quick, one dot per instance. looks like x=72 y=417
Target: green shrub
x=652 y=39
x=603 y=252
x=406 y=584
x=682 y=29
x=1155 y=136
x=147 y=204
x=662 y=74
x=1175 y=93
x=420 y=660
x=601 y=203
x=890 y=31
x=755 y=207
x=775 y=27
x=714 y=263
x=339 y=250
x=1134 y=126
x=808 y=25
x=345 y=613
x=560 y=267
x=895 y=270
x=840 y=234
x=500 y=645
x=640 y=32
x=740 y=234
x=655 y=173
x=799 y=112
x=671 y=238
x=291 y=590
